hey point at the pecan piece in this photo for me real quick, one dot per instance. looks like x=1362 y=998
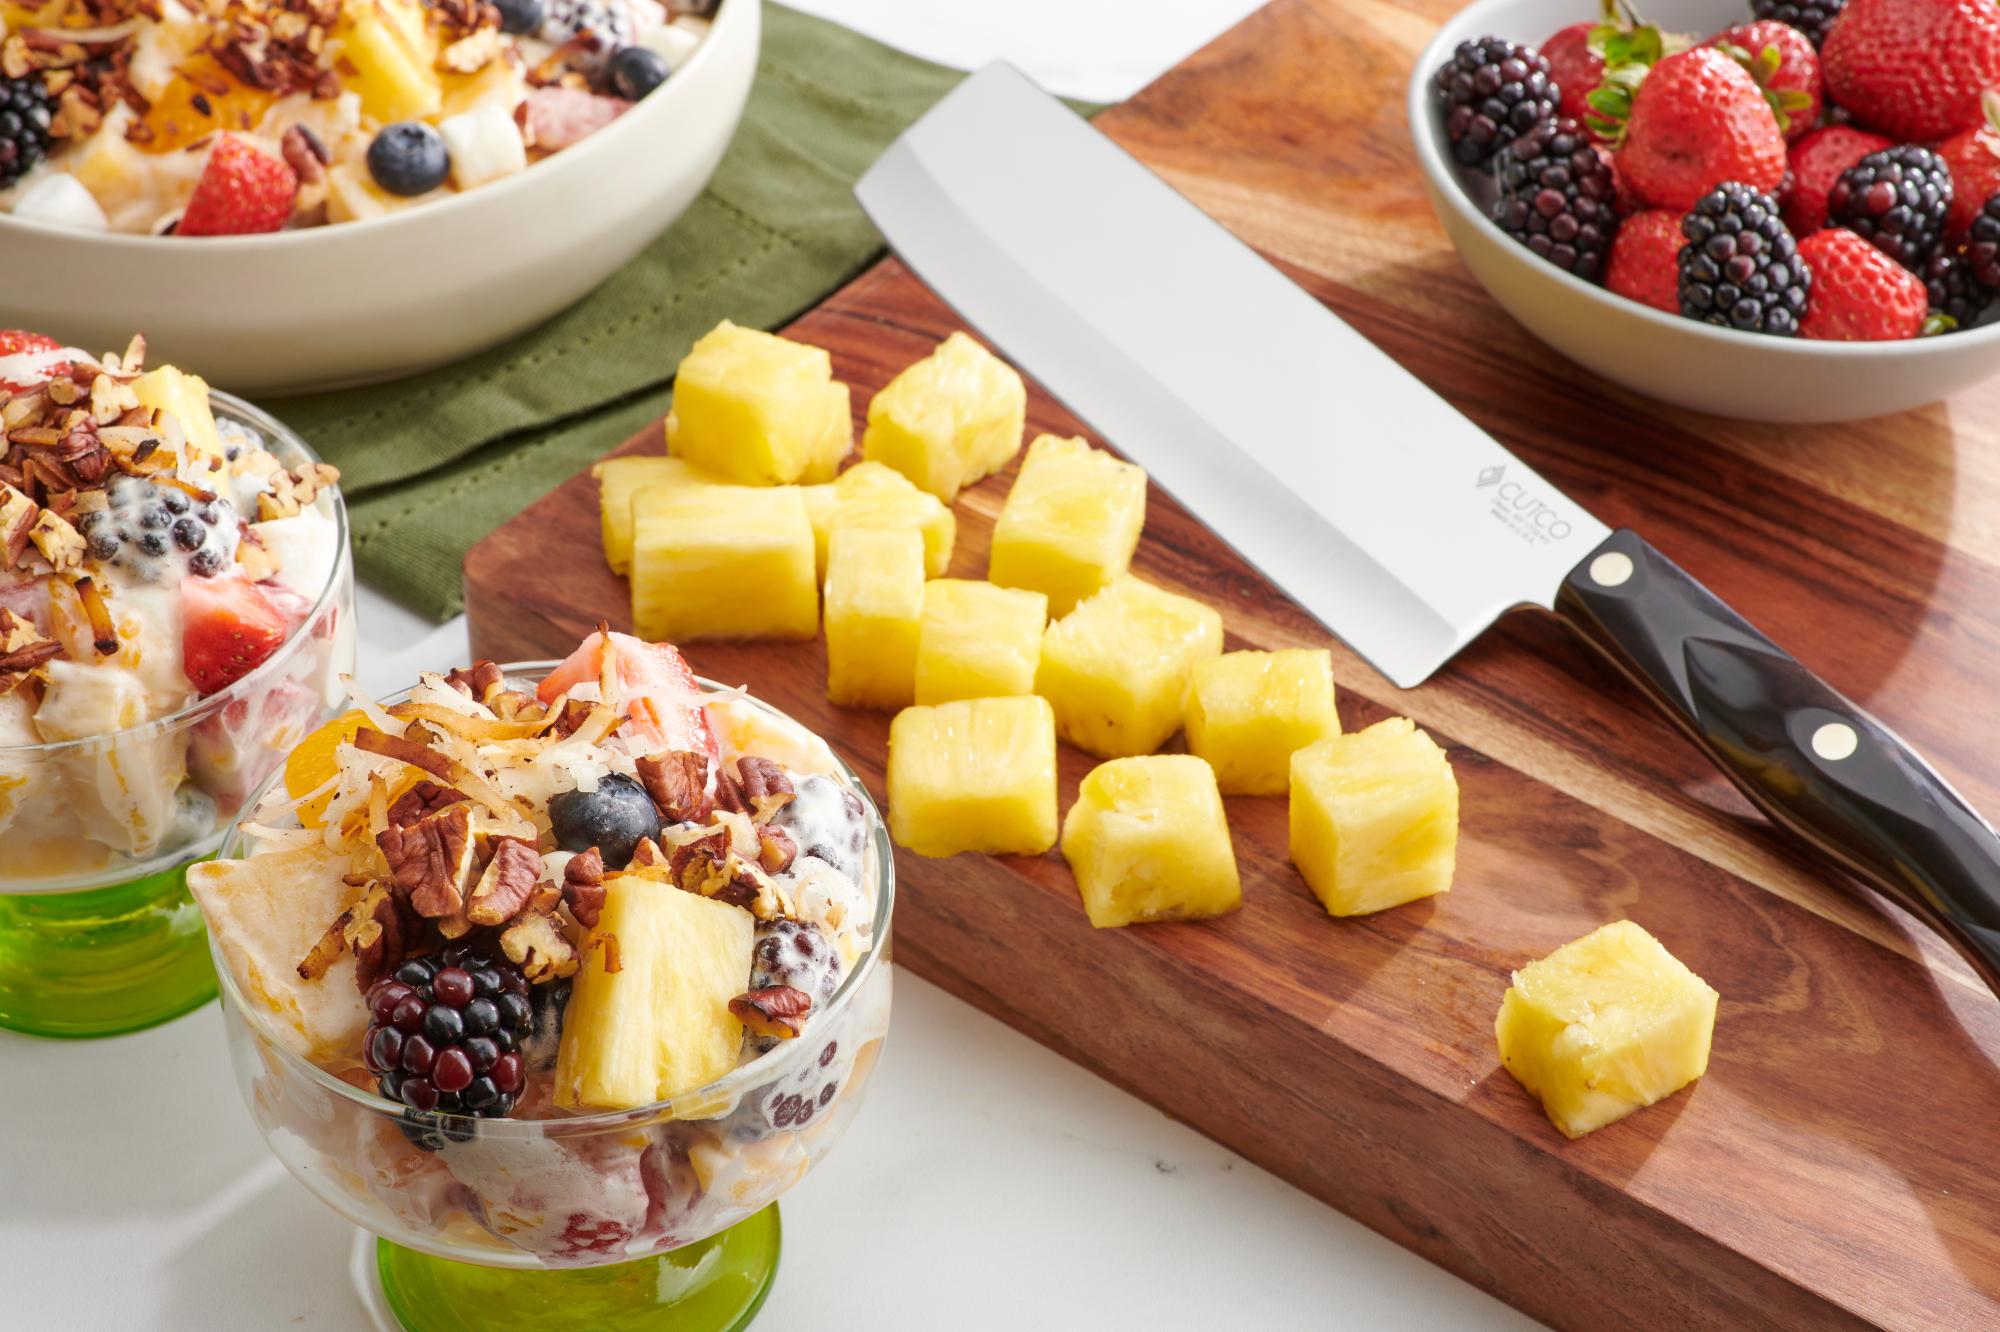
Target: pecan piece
x=23 y=650
x=17 y=520
x=574 y=714
x=583 y=887
x=539 y=949
x=478 y=682
x=422 y=800
x=645 y=854
x=430 y=860
x=61 y=545
x=767 y=788
x=377 y=933
x=701 y=866
x=372 y=741
x=678 y=783
x=775 y=1010
x=775 y=848
x=506 y=885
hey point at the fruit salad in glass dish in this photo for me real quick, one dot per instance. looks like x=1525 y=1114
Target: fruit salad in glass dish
x=554 y=968
x=235 y=117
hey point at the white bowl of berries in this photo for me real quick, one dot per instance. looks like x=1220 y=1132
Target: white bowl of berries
x=401 y=184
x=1760 y=215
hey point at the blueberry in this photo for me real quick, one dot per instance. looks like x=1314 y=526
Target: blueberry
x=153 y=543
x=520 y=16
x=207 y=562
x=634 y=71
x=408 y=158
x=612 y=818
x=189 y=534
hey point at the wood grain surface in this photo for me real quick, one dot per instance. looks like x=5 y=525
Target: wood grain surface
x=1831 y=1168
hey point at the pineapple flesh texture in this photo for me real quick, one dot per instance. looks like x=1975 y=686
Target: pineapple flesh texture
x=871 y=495
x=1116 y=668
x=976 y=640
x=1605 y=1025
x=660 y=1025
x=948 y=420
x=185 y=398
x=1070 y=524
x=974 y=775
x=618 y=480
x=874 y=601
x=759 y=410
x=1147 y=840
x=392 y=54
x=722 y=562
x=1249 y=712
x=1374 y=818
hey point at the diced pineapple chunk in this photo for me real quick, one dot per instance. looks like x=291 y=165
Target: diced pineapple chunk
x=974 y=775
x=185 y=398
x=1070 y=524
x=353 y=196
x=978 y=641
x=391 y=52
x=660 y=1024
x=722 y=562
x=1116 y=668
x=499 y=83
x=871 y=495
x=874 y=598
x=1605 y=1025
x=1374 y=817
x=950 y=419
x=1249 y=712
x=618 y=480
x=759 y=409
x=1147 y=840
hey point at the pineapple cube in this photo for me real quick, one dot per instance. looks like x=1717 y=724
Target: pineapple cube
x=1147 y=840
x=1605 y=1025
x=759 y=409
x=185 y=398
x=353 y=196
x=1070 y=524
x=660 y=1024
x=618 y=480
x=874 y=600
x=976 y=640
x=391 y=53
x=1374 y=818
x=1116 y=668
x=722 y=562
x=871 y=495
x=974 y=775
x=948 y=420
x=1249 y=712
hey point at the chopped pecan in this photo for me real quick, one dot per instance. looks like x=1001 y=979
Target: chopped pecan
x=774 y=1010
x=256 y=559
x=513 y=705
x=421 y=800
x=110 y=399
x=478 y=681
x=61 y=545
x=645 y=853
x=775 y=848
x=678 y=783
x=506 y=884
x=430 y=860
x=767 y=788
x=369 y=740
x=539 y=949
x=574 y=714
x=583 y=887
x=378 y=933
x=23 y=650
x=17 y=520
x=701 y=866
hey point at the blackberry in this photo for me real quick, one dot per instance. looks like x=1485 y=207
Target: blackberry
x=1741 y=267
x=827 y=821
x=1555 y=197
x=441 y=1039
x=26 y=111
x=1814 y=18
x=1982 y=246
x=806 y=1089
x=144 y=523
x=1895 y=200
x=1953 y=291
x=794 y=953
x=1492 y=91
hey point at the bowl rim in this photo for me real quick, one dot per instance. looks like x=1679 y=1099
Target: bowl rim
x=719 y=1093
x=1426 y=132
x=724 y=23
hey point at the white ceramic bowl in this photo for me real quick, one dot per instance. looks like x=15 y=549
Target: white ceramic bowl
x=1690 y=364
x=360 y=301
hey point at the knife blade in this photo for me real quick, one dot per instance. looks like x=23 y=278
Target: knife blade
x=1368 y=499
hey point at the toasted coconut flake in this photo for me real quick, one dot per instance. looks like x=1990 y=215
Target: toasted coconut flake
x=104 y=634
x=371 y=741
x=464 y=725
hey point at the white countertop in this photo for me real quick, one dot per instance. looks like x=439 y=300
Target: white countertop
x=988 y=1183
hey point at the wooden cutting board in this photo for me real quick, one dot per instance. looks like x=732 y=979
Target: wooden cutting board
x=1834 y=1168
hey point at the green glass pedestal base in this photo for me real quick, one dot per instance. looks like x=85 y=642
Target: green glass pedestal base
x=103 y=961
x=714 y=1285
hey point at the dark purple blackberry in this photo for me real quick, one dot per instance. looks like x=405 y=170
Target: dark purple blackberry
x=1492 y=90
x=154 y=531
x=802 y=1094
x=1982 y=246
x=794 y=953
x=1741 y=267
x=1895 y=200
x=1953 y=292
x=441 y=1039
x=1814 y=18
x=1555 y=197
x=26 y=111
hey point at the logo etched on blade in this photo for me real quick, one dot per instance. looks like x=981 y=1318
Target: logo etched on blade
x=1490 y=476
x=1519 y=511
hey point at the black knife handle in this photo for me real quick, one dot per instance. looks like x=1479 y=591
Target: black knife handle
x=1810 y=759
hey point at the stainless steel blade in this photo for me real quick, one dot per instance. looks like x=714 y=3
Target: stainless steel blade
x=1391 y=518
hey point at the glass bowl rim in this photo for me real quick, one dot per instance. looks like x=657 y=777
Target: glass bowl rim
x=720 y=1092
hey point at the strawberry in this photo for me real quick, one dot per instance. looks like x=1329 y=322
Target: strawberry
x=1818 y=161
x=650 y=682
x=1974 y=158
x=1914 y=69
x=1697 y=121
x=1576 y=69
x=241 y=192
x=1859 y=294
x=1645 y=260
x=229 y=628
x=31 y=368
x=1782 y=61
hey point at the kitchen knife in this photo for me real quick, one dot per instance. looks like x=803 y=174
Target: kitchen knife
x=1367 y=498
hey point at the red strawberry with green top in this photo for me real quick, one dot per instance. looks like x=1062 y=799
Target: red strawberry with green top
x=228 y=629
x=1913 y=69
x=20 y=342
x=1576 y=69
x=1859 y=294
x=1645 y=260
x=1974 y=159
x=241 y=192
x=1818 y=162
x=1783 y=63
x=1698 y=120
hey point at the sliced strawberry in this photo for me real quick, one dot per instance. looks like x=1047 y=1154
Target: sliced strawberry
x=33 y=366
x=229 y=628
x=650 y=683
x=241 y=192
x=555 y=118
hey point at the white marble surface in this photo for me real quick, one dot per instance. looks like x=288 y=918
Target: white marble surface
x=989 y=1184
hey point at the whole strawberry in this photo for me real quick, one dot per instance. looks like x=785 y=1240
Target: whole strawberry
x=1782 y=62
x=1974 y=158
x=1576 y=69
x=1914 y=69
x=1818 y=161
x=1699 y=119
x=241 y=192
x=1859 y=294
x=1645 y=260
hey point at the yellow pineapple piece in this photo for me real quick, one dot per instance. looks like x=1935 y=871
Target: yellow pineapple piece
x=874 y=598
x=1374 y=817
x=618 y=480
x=185 y=398
x=1116 y=668
x=722 y=562
x=948 y=420
x=871 y=495
x=391 y=53
x=1147 y=840
x=660 y=1024
x=1248 y=712
x=500 y=82
x=978 y=641
x=974 y=775
x=759 y=409
x=1070 y=524
x=1605 y=1025
x=353 y=196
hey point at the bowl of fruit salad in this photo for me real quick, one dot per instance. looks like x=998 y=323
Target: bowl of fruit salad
x=176 y=610
x=570 y=969
x=1742 y=215
x=301 y=193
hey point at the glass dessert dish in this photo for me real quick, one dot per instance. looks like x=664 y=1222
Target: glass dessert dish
x=119 y=768
x=561 y=1193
